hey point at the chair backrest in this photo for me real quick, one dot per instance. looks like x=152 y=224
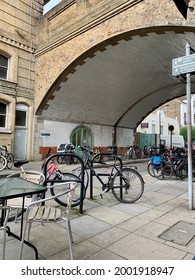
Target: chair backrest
x=33 y=176
x=68 y=191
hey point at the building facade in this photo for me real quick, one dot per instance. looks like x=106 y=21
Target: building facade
x=17 y=75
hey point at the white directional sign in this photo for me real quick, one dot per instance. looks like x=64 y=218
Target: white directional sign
x=183 y=65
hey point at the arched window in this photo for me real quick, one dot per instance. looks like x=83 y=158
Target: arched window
x=3 y=115
x=3 y=67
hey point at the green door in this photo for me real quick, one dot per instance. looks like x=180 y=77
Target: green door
x=82 y=136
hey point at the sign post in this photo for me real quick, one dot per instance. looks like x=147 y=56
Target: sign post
x=186 y=66
x=171 y=128
x=189 y=127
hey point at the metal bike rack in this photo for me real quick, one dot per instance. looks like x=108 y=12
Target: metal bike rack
x=80 y=180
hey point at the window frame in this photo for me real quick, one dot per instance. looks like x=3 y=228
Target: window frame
x=5 y=67
x=20 y=107
x=6 y=115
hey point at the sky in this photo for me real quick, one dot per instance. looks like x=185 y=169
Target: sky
x=50 y=5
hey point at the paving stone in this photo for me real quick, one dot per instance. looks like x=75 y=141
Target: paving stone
x=108 y=214
x=134 y=247
x=87 y=226
x=181 y=233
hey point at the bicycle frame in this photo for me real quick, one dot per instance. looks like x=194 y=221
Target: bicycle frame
x=97 y=175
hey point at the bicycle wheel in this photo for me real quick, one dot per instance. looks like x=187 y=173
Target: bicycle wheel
x=77 y=172
x=75 y=160
x=166 y=170
x=10 y=160
x=127 y=185
x=3 y=162
x=60 y=159
x=150 y=169
x=63 y=199
x=182 y=173
x=67 y=160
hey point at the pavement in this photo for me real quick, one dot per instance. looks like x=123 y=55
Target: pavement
x=159 y=226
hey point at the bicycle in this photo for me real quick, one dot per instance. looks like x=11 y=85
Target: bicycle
x=66 y=148
x=9 y=156
x=133 y=152
x=97 y=150
x=169 y=165
x=126 y=184
x=3 y=161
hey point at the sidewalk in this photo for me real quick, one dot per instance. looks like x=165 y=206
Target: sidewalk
x=159 y=226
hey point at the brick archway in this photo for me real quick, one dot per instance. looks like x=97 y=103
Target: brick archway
x=148 y=23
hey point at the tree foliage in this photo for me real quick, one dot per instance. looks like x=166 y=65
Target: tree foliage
x=184 y=133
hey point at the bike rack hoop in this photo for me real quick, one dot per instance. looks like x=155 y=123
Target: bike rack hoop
x=80 y=179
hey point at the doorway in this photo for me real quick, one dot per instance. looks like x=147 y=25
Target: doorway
x=20 y=141
x=82 y=136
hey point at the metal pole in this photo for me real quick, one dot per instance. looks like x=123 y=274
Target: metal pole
x=189 y=127
x=159 y=128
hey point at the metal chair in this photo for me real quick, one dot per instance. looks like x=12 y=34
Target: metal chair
x=33 y=176
x=16 y=203
x=3 y=227
x=39 y=211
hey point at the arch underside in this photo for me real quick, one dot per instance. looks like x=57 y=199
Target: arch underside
x=120 y=81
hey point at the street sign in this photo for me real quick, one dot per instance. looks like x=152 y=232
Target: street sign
x=183 y=65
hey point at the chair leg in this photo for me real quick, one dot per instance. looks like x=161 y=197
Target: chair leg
x=4 y=232
x=22 y=241
x=29 y=229
x=16 y=216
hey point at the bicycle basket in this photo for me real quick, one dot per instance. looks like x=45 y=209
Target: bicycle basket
x=156 y=162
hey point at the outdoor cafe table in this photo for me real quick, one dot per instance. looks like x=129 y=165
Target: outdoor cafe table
x=17 y=187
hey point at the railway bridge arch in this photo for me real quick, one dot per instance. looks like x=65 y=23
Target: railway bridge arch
x=107 y=63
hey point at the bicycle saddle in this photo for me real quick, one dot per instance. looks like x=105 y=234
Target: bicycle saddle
x=20 y=163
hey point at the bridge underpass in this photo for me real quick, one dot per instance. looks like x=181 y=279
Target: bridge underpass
x=120 y=81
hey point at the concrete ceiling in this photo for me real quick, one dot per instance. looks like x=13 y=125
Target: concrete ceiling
x=121 y=83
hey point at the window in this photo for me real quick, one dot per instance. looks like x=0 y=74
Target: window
x=185 y=118
x=3 y=114
x=3 y=67
x=161 y=129
x=153 y=128
x=21 y=115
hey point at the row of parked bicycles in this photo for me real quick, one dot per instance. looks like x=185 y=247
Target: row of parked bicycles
x=132 y=152
x=137 y=152
x=173 y=162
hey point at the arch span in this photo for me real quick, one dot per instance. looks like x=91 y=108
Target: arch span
x=121 y=80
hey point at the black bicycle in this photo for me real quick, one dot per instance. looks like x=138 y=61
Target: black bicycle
x=126 y=183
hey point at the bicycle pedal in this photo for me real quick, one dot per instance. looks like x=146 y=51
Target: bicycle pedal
x=101 y=195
